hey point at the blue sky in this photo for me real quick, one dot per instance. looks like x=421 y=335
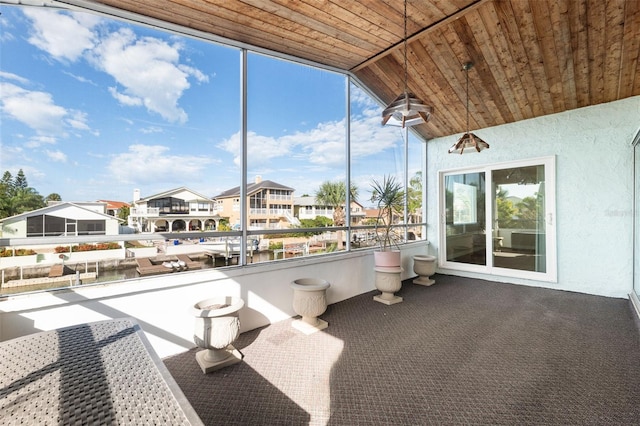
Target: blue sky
x=92 y=108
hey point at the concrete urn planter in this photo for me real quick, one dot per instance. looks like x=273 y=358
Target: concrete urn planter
x=424 y=266
x=309 y=301
x=217 y=326
x=388 y=281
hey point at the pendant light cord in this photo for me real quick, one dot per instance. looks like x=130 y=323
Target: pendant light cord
x=406 y=76
x=466 y=69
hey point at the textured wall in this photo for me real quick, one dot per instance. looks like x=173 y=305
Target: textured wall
x=594 y=189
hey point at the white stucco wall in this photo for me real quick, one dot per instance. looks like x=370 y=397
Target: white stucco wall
x=594 y=189
x=161 y=303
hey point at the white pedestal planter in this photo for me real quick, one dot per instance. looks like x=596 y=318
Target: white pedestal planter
x=309 y=301
x=217 y=326
x=424 y=266
x=388 y=282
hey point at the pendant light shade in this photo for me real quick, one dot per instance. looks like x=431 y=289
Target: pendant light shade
x=406 y=109
x=468 y=141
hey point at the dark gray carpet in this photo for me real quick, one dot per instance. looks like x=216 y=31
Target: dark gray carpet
x=462 y=351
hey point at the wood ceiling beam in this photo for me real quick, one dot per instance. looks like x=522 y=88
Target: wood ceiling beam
x=419 y=34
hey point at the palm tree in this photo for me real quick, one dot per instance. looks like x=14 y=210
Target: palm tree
x=54 y=196
x=334 y=194
x=414 y=196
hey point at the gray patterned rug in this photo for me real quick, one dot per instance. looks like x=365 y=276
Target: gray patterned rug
x=463 y=351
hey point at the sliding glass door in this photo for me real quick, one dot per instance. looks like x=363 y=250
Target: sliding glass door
x=465 y=218
x=499 y=219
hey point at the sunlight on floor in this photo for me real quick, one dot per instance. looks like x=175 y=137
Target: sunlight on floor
x=315 y=378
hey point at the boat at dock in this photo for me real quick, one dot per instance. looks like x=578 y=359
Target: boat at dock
x=153 y=266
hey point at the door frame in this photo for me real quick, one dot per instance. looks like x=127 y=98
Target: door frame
x=635 y=285
x=551 y=274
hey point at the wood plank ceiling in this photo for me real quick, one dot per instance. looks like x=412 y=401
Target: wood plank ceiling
x=531 y=57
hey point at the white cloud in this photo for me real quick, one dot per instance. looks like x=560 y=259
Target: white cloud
x=151 y=129
x=262 y=148
x=10 y=76
x=124 y=99
x=35 y=109
x=57 y=156
x=154 y=164
x=38 y=110
x=7 y=29
x=38 y=140
x=196 y=73
x=80 y=78
x=322 y=146
x=368 y=137
x=77 y=120
x=10 y=154
x=148 y=70
x=64 y=36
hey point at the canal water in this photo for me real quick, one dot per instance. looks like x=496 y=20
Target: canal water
x=131 y=272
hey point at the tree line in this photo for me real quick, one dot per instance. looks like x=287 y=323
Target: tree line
x=17 y=197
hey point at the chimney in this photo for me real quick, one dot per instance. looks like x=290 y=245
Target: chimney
x=258 y=179
x=136 y=195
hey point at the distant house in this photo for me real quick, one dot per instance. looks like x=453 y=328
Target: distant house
x=269 y=205
x=61 y=219
x=307 y=207
x=179 y=209
x=113 y=208
x=371 y=216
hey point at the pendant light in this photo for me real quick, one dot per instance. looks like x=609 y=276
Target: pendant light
x=406 y=108
x=468 y=140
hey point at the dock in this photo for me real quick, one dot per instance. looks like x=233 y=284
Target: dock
x=57 y=271
x=166 y=264
x=147 y=267
x=190 y=264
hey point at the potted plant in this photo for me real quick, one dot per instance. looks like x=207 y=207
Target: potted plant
x=388 y=196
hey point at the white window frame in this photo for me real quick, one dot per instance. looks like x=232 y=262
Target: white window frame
x=551 y=274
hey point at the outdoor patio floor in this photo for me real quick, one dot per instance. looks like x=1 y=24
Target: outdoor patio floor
x=462 y=351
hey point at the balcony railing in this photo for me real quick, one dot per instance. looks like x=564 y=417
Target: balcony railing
x=279 y=197
x=278 y=212
x=149 y=211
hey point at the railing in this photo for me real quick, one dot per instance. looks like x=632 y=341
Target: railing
x=118 y=264
x=151 y=211
x=278 y=212
x=279 y=197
